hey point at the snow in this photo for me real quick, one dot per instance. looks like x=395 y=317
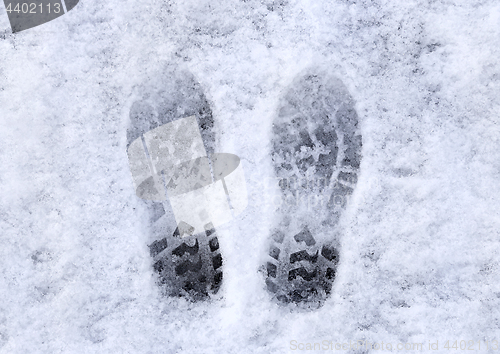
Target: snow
x=420 y=247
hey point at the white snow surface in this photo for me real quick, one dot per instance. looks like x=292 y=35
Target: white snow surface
x=420 y=240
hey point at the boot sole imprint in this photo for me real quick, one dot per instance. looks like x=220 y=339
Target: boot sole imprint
x=315 y=138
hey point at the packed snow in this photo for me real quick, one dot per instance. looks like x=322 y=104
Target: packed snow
x=420 y=244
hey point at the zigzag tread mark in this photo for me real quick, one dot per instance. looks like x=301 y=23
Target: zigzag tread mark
x=271 y=270
x=159 y=266
x=157 y=247
x=179 y=251
x=217 y=261
x=213 y=244
x=274 y=252
x=330 y=273
x=330 y=253
x=303 y=256
x=217 y=278
x=305 y=236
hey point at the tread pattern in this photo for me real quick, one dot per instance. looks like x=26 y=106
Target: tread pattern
x=188 y=265
x=303 y=275
x=315 y=140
